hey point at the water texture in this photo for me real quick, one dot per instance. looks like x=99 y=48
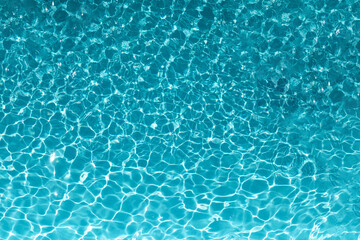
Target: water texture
x=179 y=119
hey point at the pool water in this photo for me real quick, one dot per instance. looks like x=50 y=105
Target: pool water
x=183 y=119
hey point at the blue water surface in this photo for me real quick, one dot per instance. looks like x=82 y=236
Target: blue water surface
x=179 y=119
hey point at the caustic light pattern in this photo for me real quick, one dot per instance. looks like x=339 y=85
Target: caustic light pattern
x=183 y=119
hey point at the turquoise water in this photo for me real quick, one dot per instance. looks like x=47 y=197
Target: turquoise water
x=179 y=119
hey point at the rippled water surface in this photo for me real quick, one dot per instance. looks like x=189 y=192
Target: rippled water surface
x=180 y=119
